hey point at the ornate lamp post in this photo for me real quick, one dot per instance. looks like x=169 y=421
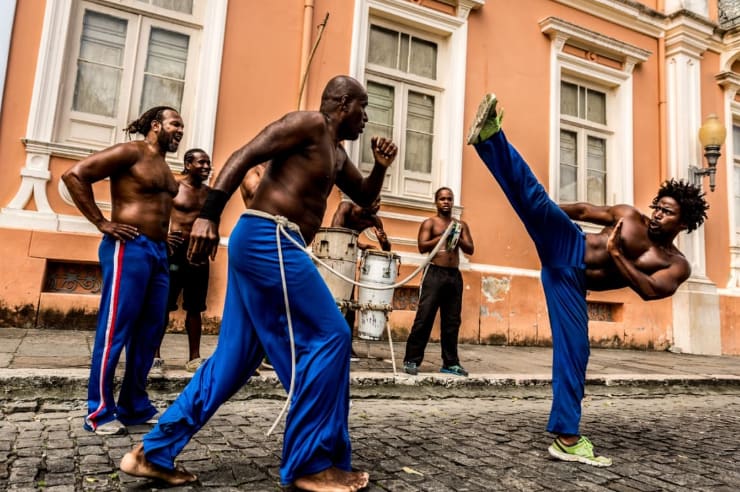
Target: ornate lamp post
x=711 y=135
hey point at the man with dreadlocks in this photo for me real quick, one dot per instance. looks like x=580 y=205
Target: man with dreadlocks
x=632 y=250
x=133 y=259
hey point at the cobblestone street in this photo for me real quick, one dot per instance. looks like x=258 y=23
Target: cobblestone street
x=658 y=442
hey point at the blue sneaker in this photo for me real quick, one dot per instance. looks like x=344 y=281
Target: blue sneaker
x=457 y=370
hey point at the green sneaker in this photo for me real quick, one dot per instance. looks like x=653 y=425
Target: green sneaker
x=582 y=451
x=487 y=122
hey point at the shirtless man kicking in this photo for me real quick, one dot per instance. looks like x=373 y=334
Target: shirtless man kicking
x=307 y=160
x=632 y=250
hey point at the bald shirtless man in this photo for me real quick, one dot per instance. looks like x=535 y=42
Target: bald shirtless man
x=185 y=277
x=133 y=259
x=306 y=161
x=632 y=250
x=441 y=288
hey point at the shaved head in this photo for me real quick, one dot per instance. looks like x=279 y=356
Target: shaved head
x=339 y=90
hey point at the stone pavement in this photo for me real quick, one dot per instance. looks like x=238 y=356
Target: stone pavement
x=685 y=442
x=671 y=421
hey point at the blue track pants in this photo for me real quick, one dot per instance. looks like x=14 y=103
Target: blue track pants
x=316 y=431
x=560 y=245
x=132 y=314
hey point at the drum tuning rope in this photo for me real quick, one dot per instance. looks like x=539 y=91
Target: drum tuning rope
x=423 y=265
x=282 y=224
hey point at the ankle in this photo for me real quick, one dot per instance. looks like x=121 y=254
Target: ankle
x=568 y=439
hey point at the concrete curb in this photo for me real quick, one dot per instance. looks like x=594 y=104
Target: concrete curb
x=50 y=384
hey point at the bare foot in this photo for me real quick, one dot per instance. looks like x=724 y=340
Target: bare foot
x=135 y=464
x=333 y=480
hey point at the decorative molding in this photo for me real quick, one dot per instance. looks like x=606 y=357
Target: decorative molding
x=631 y=15
x=450 y=129
x=563 y=32
x=45 y=101
x=464 y=7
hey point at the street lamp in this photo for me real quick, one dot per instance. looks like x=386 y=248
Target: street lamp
x=711 y=135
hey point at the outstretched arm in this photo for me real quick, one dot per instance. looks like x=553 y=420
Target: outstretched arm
x=658 y=285
x=596 y=214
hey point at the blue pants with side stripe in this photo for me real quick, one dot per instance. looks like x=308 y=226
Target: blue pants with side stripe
x=132 y=314
x=560 y=245
x=316 y=430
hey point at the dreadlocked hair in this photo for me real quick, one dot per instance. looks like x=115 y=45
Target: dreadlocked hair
x=143 y=123
x=689 y=197
x=189 y=156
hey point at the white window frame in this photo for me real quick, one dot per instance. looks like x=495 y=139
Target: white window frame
x=616 y=82
x=584 y=129
x=90 y=130
x=398 y=180
x=452 y=33
x=39 y=140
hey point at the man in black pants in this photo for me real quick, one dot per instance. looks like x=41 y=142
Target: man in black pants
x=441 y=287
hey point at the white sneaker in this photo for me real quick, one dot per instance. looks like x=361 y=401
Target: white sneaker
x=157 y=369
x=112 y=428
x=154 y=418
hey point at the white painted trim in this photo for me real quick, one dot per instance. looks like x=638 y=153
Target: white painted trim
x=45 y=102
x=635 y=17
x=450 y=124
x=6 y=30
x=620 y=153
x=205 y=106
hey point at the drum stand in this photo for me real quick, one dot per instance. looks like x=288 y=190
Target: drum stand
x=353 y=306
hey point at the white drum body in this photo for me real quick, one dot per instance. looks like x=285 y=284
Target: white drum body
x=337 y=247
x=378 y=268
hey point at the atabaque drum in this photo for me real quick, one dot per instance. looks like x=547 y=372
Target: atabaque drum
x=377 y=269
x=337 y=247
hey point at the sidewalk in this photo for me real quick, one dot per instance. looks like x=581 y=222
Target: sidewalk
x=32 y=361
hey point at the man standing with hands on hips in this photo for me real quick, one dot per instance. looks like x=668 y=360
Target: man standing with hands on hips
x=133 y=260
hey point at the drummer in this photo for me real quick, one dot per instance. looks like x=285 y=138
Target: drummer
x=352 y=216
x=441 y=287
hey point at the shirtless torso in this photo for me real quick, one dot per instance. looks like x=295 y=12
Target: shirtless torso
x=431 y=231
x=141 y=184
x=191 y=196
x=654 y=267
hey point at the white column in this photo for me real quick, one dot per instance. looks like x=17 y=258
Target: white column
x=700 y=7
x=696 y=320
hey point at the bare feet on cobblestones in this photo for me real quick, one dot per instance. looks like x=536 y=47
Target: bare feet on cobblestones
x=333 y=480
x=135 y=464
